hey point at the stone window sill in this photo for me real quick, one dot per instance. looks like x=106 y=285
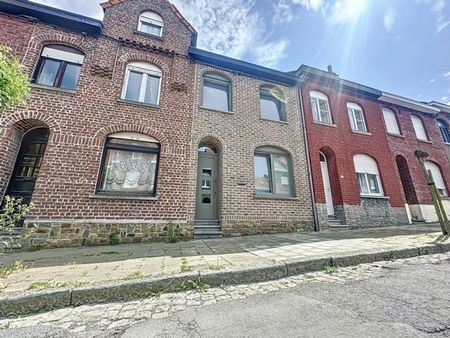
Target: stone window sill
x=53 y=89
x=269 y=120
x=396 y=135
x=332 y=125
x=217 y=110
x=424 y=141
x=123 y=197
x=375 y=197
x=275 y=197
x=141 y=104
x=361 y=133
x=147 y=35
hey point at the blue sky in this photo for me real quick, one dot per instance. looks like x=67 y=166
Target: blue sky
x=399 y=46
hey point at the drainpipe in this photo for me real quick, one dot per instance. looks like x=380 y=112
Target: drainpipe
x=305 y=138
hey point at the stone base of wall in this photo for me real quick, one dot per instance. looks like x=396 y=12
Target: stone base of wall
x=246 y=228
x=372 y=212
x=70 y=234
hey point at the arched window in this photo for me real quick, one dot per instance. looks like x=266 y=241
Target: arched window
x=142 y=83
x=216 y=92
x=390 y=121
x=356 y=116
x=437 y=177
x=273 y=174
x=151 y=23
x=130 y=165
x=320 y=107
x=272 y=103
x=419 y=128
x=443 y=127
x=59 y=66
x=368 y=176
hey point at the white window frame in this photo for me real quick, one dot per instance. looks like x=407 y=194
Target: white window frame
x=153 y=19
x=317 y=96
x=422 y=126
x=146 y=69
x=354 y=107
x=437 y=177
x=390 y=126
x=367 y=171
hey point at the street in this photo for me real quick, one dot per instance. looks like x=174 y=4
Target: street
x=404 y=298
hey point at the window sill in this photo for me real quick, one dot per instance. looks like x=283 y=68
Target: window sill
x=332 y=125
x=275 y=197
x=147 y=35
x=447 y=144
x=53 y=89
x=396 y=135
x=141 y=104
x=269 y=120
x=217 y=110
x=375 y=197
x=122 y=197
x=424 y=141
x=361 y=133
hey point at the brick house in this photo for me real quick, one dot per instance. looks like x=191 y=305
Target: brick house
x=103 y=144
x=355 y=181
x=411 y=126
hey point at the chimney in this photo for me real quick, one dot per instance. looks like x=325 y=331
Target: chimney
x=330 y=69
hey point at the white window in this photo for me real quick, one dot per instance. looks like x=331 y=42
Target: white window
x=142 y=83
x=368 y=176
x=419 y=128
x=437 y=177
x=216 y=92
x=320 y=107
x=391 y=122
x=151 y=23
x=356 y=116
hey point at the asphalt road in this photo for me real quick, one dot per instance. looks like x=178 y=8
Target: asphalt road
x=406 y=301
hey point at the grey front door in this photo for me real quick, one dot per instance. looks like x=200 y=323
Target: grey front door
x=206 y=187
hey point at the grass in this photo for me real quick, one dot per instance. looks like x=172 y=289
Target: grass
x=11 y=268
x=215 y=267
x=3 y=286
x=308 y=276
x=184 y=265
x=46 y=284
x=330 y=269
x=36 y=247
x=134 y=275
x=191 y=284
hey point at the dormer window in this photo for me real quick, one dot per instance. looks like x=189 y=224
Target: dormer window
x=151 y=23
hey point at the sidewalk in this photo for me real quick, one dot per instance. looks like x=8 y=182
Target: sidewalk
x=81 y=267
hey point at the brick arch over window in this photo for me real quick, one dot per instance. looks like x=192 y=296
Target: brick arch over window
x=279 y=146
x=217 y=72
x=211 y=141
x=127 y=58
x=27 y=120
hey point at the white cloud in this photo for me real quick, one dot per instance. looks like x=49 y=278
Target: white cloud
x=432 y=80
x=447 y=74
x=284 y=10
x=438 y=7
x=389 y=19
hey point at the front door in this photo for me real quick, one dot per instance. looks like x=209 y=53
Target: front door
x=327 y=185
x=206 y=187
x=28 y=163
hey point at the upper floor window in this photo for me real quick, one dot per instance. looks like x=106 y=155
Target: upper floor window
x=142 y=83
x=273 y=172
x=130 y=164
x=391 y=122
x=419 y=128
x=271 y=102
x=320 y=107
x=437 y=177
x=59 y=66
x=356 y=116
x=443 y=127
x=151 y=23
x=368 y=176
x=216 y=92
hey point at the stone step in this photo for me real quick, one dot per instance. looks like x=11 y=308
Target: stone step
x=208 y=236
x=338 y=227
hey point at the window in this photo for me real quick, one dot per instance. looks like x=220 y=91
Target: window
x=320 y=107
x=271 y=102
x=216 y=92
x=391 y=122
x=443 y=127
x=59 y=66
x=367 y=174
x=419 y=128
x=130 y=165
x=142 y=83
x=151 y=23
x=437 y=177
x=273 y=172
x=356 y=117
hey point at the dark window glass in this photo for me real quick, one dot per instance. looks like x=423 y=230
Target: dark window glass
x=133 y=86
x=70 y=77
x=48 y=73
x=262 y=174
x=152 y=90
x=443 y=127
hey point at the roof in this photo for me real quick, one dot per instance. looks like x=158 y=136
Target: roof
x=445 y=108
x=242 y=66
x=52 y=16
x=409 y=103
x=331 y=79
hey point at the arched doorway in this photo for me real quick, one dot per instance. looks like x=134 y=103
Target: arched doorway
x=207 y=175
x=326 y=184
x=28 y=164
x=406 y=179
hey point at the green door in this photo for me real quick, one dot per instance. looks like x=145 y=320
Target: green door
x=206 y=187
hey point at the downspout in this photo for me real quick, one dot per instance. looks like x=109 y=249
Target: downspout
x=305 y=138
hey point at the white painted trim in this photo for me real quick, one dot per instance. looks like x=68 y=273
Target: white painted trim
x=151 y=18
x=62 y=55
x=408 y=103
x=146 y=69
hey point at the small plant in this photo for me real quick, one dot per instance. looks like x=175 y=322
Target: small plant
x=35 y=247
x=173 y=233
x=309 y=276
x=330 y=269
x=11 y=268
x=192 y=285
x=134 y=275
x=3 y=286
x=215 y=267
x=184 y=265
x=157 y=290
x=114 y=238
x=12 y=213
x=46 y=284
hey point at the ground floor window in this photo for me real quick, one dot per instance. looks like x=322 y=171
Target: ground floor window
x=437 y=177
x=368 y=176
x=130 y=165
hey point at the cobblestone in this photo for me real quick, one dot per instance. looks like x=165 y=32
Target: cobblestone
x=111 y=319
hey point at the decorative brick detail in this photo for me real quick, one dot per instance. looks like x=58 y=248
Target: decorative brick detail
x=98 y=70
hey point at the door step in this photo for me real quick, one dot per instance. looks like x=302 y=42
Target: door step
x=207 y=229
x=334 y=223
